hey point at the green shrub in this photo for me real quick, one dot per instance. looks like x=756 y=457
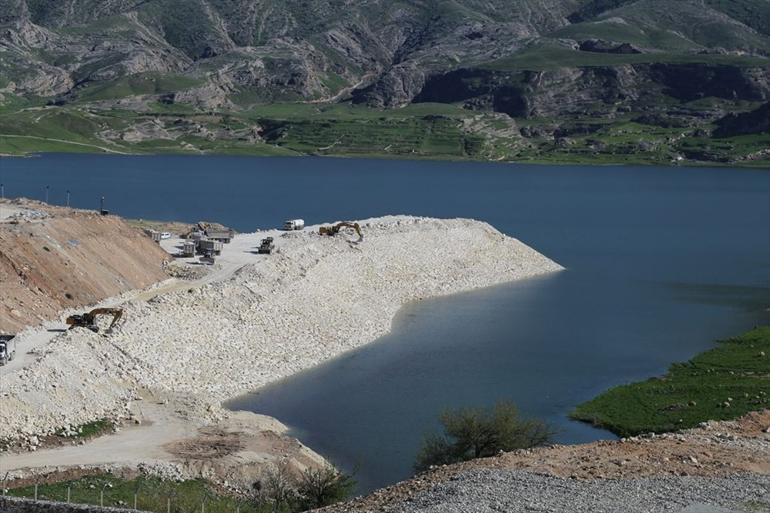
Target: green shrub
x=323 y=487
x=479 y=433
x=313 y=488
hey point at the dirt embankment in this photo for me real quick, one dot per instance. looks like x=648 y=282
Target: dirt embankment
x=54 y=258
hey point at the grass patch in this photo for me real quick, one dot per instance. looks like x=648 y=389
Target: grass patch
x=152 y=494
x=721 y=384
x=89 y=430
x=279 y=491
x=141 y=84
x=19 y=146
x=418 y=136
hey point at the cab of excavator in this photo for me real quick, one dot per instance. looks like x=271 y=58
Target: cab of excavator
x=4 y=342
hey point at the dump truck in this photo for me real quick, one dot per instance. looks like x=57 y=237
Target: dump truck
x=154 y=235
x=7 y=348
x=294 y=224
x=188 y=249
x=266 y=247
x=222 y=236
x=210 y=247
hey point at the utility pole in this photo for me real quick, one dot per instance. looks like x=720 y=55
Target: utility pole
x=68 y=198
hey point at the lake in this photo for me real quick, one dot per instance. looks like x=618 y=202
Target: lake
x=660 y=263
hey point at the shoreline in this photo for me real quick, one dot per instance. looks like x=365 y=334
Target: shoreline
x=257 y=323
x=377 y=156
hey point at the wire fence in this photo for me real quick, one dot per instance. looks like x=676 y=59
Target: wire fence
x=142 y=500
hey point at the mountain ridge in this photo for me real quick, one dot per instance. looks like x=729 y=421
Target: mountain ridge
x=606 y=57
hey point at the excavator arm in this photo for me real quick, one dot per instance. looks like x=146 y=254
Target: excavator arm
x=116 y=314
x=334 y=230
x=88 y=319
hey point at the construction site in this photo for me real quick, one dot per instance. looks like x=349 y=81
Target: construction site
x=149 y=332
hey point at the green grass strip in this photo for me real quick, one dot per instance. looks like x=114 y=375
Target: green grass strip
x=721 y=384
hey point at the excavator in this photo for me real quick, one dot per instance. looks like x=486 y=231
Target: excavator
x=334 y=230
x=88 y=319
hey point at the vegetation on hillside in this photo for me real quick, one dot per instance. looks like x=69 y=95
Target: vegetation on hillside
x=721 y=384
x=586 y=81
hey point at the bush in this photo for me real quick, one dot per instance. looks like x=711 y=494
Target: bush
x=479 y=433
x=323 y=487
x=314 y=488
x=278 y=489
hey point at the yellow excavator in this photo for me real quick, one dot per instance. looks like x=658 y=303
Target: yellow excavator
x=88 y=319
x=334 y=230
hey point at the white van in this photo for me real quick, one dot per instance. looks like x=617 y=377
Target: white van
x=294 y=224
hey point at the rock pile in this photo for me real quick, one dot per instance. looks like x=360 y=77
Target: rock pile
x=317 y=298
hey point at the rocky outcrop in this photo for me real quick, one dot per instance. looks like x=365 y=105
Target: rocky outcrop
x=571 y=91
x=694 y=81
x=754 y=122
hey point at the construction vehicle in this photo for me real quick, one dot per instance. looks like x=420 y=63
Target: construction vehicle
x=188 y=249
x=266 y=247
x=7 y=349
x=214 y=247
x=294 y=224
x=88 y=319
x=334 y=230
x=207 y=258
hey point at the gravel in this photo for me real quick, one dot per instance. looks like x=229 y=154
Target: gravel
x=316 y=298
x=482 y=491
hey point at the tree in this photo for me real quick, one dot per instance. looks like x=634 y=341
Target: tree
x=479 y=433
x=285 y=490
x=323 y=487
x=278 y=489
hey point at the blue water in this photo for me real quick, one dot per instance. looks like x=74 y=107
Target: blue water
x=661 y=261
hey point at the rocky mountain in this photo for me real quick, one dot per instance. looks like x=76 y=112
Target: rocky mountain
x=530 y=59
x=233 y=52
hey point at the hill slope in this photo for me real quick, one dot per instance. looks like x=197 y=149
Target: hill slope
x=493 y=59
x=55 y=258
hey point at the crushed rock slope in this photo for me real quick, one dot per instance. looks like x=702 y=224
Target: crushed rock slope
x=315 y=299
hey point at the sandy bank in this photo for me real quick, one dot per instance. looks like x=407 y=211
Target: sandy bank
x=267 y=318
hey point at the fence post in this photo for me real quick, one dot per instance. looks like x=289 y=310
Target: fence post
x=101 y=498
x=35 y=491
x=69 y=490
x=134 y=501
x=168 y=505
